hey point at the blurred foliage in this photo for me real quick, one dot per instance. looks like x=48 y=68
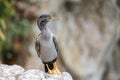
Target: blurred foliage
x=6 y=8
x=11 y=25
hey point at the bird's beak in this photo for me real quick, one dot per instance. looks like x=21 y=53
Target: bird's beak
x=54 y=19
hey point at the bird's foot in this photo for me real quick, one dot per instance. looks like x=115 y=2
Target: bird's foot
x=55 y=70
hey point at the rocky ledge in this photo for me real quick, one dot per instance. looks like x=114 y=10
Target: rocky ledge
x=16 y=72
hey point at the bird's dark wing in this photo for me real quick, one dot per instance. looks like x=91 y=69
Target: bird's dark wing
x=37 y=47
x=56 y=45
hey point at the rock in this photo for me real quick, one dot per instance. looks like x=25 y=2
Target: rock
x=31 y=75
x=10 y=72
x=16 y=72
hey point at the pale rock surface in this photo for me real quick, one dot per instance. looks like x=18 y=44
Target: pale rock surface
x=16 y=72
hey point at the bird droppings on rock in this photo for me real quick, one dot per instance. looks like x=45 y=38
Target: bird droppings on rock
x=16 y=72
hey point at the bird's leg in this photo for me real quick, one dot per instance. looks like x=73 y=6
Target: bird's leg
x=55 y=70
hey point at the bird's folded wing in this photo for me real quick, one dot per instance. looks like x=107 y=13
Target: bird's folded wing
x=56 y=45
x=37 y=47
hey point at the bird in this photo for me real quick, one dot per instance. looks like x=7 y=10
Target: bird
x=46 y=45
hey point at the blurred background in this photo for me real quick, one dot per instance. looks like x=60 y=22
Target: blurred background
x=88 y=34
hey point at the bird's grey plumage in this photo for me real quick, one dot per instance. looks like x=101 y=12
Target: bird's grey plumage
x=37 y=46
x=56 y=45
x=45 y=45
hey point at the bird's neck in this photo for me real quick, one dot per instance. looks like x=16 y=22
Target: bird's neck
x=42 y=25
x=45 y=30
x=46 y=34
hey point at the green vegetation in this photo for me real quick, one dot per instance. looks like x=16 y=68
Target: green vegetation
x=11 y=25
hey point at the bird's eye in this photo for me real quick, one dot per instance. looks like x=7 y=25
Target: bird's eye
x=48 y=17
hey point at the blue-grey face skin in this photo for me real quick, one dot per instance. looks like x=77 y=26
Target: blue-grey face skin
x=43 y=20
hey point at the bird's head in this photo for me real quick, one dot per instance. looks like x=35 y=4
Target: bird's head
x=43 y=20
